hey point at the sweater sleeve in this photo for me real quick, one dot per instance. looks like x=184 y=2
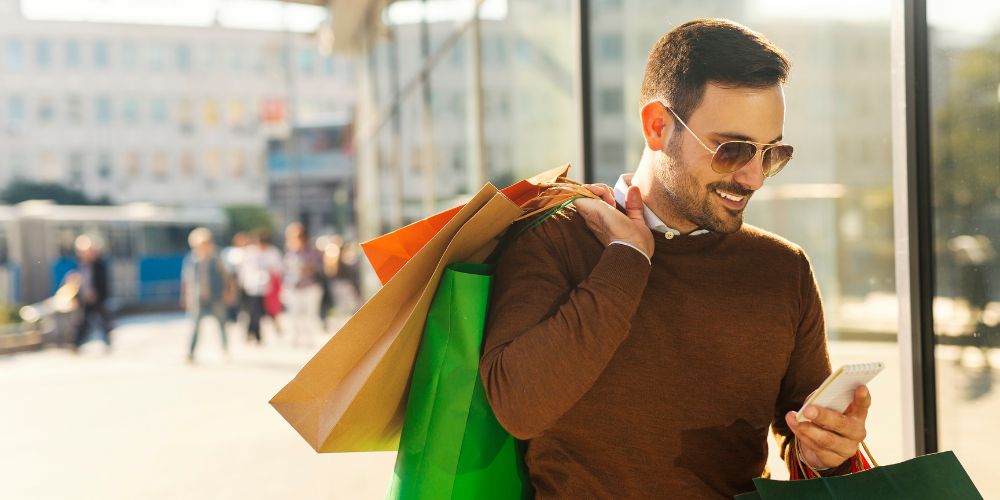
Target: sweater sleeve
x=808 y=366
x=548 y=338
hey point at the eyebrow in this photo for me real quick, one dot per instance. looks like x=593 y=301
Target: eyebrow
x=741 y=137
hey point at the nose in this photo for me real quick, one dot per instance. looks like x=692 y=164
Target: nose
x=751 y=176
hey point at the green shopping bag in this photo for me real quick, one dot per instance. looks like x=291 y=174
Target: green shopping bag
x=452 y=445
x=930 y=477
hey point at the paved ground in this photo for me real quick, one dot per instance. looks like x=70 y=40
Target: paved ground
x=141 y=423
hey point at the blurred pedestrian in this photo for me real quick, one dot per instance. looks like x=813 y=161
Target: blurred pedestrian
x=203 y=285
x=260 y=262
x=302 y=290
x=232 y=256
x=93 y=292
x=347 y=287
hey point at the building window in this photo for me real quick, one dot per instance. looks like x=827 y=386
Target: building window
x=237 y=164
x=185 y=116
x=183 y=57
x=157 y=57
x=46 y=110
x=13 y=55
x=43 y=53
x=130 y=111
x=75 y=163
x=15 y=111
x=130 y=55
x=133 y=164
x=329 y=65
x=158 y=110
x=102 y=58
x=104 y=167
x=103 y=110
x=74 y=109
x=73 y=53
x=612 y=101
x=610 y=47
x=307 y=60
x=211 y=112
x=212 y=165
x=237 y=115
x=159 y=166
x=187 y=164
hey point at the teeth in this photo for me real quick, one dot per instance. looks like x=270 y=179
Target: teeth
x=730 y=197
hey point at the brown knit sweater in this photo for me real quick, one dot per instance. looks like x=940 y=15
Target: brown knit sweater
x=638 y=381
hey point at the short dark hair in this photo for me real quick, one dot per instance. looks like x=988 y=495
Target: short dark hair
x=706 y=51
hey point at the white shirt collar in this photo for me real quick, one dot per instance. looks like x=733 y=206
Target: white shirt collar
x=652 y=221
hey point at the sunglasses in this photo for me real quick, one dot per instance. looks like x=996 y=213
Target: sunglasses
x=731 y=156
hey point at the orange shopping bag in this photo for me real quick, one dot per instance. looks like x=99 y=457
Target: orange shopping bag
x=389 y=252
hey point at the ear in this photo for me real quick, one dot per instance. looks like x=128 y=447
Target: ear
x=657 y=125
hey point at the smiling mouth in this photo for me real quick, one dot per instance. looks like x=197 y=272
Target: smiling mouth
x=729 y=196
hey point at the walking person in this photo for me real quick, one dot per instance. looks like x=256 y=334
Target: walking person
x=204 y=281
x=93 y=293
x=302 y=287
x=260 y=262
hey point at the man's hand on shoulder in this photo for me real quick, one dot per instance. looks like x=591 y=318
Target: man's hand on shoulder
x=608 y=224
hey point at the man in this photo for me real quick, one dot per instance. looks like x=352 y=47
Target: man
x=302 y=291
x=94 y=291
x=204 y=280
x=645 y=354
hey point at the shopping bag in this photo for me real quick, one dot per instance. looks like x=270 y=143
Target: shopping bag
x=452 y=446
x=351 y=395
x=930 y=477
x=388 y=253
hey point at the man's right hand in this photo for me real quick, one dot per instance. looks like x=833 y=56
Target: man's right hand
x=608 y=224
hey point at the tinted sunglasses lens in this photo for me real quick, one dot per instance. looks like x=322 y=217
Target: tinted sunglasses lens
x=731 y=156
x=775 y=159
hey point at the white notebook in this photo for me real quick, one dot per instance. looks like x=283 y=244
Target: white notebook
x=837 y=391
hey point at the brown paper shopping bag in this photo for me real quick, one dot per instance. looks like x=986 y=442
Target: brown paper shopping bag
x=351 y=395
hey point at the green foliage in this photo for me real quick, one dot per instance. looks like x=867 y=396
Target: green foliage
x=23 y=190
x=247 y=218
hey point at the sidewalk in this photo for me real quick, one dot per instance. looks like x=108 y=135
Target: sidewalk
x=141 y=423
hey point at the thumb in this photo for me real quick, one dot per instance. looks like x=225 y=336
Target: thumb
x=634 y=206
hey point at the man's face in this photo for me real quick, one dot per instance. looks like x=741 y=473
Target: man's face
x=686 y=181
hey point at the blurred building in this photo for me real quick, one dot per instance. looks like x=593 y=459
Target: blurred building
x=164 y=114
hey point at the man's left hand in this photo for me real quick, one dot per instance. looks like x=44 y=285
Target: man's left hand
x=832 y=437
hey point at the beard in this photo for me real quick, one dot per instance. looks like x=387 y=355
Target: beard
x=680 y=190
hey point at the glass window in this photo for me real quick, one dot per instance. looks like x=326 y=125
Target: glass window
x=46 y=110
x=183 y=54
x=130 y=54
x=13 y=55
x=158 y=110
x=74 y=109
x=72 y=54
x=15 y=111
x=187 y=164
x=612 y=101
x=102 y=54
x=157 y=56
x=185 y=116
x=133 y=164
x=307 y=60
x=104 y=165
x=213 y=165
x=103 y=110
x=43 y=53
x=160 y=166
x=834 y=199
x=211 y=112
x=611 y=47
x=130 y=110
x=965 y=126
x=76 y=166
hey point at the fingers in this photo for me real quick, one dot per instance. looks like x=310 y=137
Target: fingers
x=822 y=441
x=634 y=206
x=604 y=191
x=862 y=402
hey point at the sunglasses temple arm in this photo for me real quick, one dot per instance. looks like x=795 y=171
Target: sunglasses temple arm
x=710 y=150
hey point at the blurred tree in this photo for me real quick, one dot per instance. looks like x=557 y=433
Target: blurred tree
x=247 y=218
x=966 y=142
x=23 y=190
